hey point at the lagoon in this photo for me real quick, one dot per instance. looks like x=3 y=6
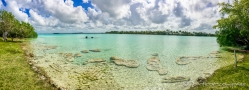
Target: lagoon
x=128 y=47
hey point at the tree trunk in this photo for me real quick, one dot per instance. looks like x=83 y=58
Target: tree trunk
x=4 y=37
x=5 y=33
x=235 y=59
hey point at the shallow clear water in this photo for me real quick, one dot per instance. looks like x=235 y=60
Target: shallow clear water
x=137 y=47
x=131 y=46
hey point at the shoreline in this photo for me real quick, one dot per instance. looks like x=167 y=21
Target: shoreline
x=29 y=55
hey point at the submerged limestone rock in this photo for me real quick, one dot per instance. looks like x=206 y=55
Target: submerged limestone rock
x=84 y=51
x=114 y=58
x=184 y=60
x=119 y=62
x=175 y=79
x=162 y=71
x=131 y=63
x=95 y=50
x=180 y=61
x=77 y=55
x=154 y=54
x=154 y=64
x=95 y=60
x=68 y=56
x=127 y=63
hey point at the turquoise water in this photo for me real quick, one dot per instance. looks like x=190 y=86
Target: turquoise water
x=136 y=47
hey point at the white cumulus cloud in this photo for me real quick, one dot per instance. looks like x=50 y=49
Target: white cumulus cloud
x=105 y=15
x=115 y=8
x=85 y=1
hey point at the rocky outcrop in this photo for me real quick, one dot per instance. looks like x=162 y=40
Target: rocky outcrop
x=201 y=80
x=95 y=50
x=127 y=63
x=175 y=79
x=153 y=64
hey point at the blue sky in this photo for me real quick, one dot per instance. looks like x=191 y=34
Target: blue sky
x=106 y=15
x=80 y=3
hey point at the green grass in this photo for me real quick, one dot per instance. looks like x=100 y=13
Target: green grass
x=228 y=77
x=15 y=72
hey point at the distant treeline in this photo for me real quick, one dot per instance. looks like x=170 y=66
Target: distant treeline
x=166 y=32
x=78 y=33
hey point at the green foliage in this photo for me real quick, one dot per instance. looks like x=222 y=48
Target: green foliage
x=166 y=32
x=7 y=20
x=15 y=28
x=234 y=29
